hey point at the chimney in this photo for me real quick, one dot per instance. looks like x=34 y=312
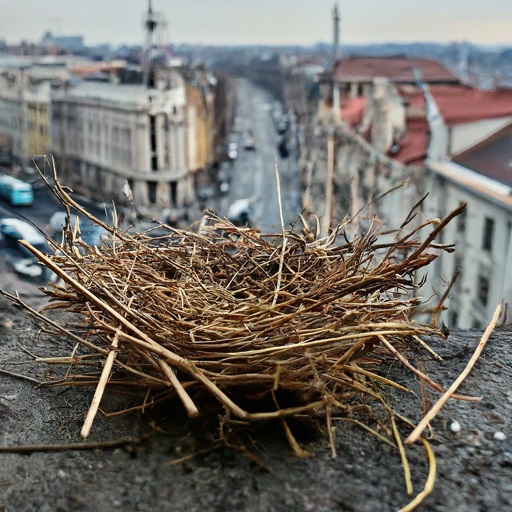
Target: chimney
x=382 y=129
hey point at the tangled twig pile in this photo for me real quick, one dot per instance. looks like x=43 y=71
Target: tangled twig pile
x=257 y=327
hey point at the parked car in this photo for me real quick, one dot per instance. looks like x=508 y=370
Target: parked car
x=223 y=180
x=282 y=126
x=89 y=232
x=15 y=191
x=282 y=147
x=13 y=230
x=249 y=143
x=240 y=212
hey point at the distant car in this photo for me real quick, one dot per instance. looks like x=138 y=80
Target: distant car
x=249 y=143
x=22 y=260
x=282 y=126
x=13 y=230
x=282 y=147
x=223 y=181
x=224 y=187
x=15 y=191
x=240 y=212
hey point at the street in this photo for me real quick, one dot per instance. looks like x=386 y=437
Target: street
x=252 y=174
x=253 y=171
x=39 y=213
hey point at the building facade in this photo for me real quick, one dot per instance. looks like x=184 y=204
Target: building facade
x=105 y=134
x=442 y=138
x=25 y=114
x=482 y=236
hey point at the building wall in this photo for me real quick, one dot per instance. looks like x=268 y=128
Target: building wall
x=485 y=261
x=463 y=136
x=25 y=112
x=361 y=174
x=201 y=133
x=101 y=142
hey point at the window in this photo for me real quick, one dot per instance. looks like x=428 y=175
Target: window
x=152 y=142
x=488 y=234
x=461 y=220
x=173 y=187
x=483 y=290
x=152 y=191
x=453 y=318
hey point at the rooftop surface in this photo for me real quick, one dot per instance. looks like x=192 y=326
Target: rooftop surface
x=464 y=104
x=491 y=157
x=397 y=69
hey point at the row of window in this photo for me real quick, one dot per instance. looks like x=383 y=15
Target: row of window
x=487 y=234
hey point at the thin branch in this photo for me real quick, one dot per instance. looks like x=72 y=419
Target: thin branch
x=100 y=445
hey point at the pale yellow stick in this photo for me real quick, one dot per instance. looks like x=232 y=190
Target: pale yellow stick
x=100 y=388
x=403 y=456
x=283 y=248
x=429 y=484
x=180 y=390
x=416 y=433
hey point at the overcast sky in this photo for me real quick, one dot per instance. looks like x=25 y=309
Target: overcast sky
x=262 y=21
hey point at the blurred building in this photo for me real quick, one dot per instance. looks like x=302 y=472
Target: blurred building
x=104 y=134
x=421 y=130
x=53 y=45
x=25 y=113
x=481 y=176
x=201 y=120
x=151 y=125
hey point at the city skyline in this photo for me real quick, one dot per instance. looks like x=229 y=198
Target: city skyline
x=233 y=22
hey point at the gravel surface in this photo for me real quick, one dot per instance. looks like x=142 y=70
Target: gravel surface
x=474 y=464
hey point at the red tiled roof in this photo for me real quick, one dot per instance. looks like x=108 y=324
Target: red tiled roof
x=412 y=149
x=397 y=69
x=491 y=157
x=463 y=104
x=412 y=95
x=460 y=104
x=352 y=111
x=89 y=69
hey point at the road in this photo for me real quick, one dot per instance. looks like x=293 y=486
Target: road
x=39 y=213
x=253 y=173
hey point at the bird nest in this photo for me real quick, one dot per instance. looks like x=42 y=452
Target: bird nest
x=254 y=327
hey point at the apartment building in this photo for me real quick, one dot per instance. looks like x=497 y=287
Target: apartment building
x=25 y=113
x=105 y=134
x=445 y=139
x=481 y=177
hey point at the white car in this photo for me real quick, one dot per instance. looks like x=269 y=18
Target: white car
x=249 y=143
x=28 y=267
x=12 y=230
x=23 y=262
x=240 y=212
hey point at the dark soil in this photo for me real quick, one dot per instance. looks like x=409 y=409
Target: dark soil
x=474 y=471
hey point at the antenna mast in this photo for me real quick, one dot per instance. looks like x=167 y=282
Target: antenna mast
x=150 y=24
x=336 y=35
